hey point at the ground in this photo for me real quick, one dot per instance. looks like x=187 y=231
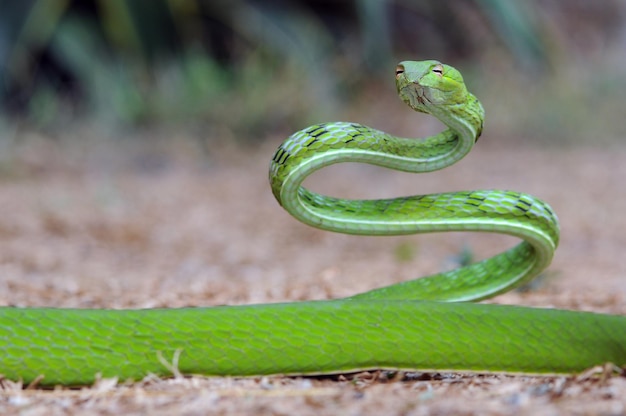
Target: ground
x=118 y=226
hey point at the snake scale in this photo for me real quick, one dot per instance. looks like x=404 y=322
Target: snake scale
x=421 y=324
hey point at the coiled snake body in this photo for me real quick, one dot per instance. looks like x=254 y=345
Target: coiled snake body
x=411 y=325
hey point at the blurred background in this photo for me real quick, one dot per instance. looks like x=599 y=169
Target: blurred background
x=551 y=71
x=135 y=137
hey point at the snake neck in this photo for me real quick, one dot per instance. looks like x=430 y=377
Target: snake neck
x=320 y=145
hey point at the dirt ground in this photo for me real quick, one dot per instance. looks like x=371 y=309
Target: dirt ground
x=130 y=228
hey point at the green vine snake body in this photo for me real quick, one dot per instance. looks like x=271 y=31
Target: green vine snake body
x=411 y=325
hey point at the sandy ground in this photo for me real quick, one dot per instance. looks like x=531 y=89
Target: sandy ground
x=129 y=228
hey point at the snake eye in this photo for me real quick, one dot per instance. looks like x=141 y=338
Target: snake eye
x=438 y=69
x=399 y=70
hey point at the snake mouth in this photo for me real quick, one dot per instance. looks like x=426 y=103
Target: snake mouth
x=420 y=98
x=416 y=101
x=415 y=96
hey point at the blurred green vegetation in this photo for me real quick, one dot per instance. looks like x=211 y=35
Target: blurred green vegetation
x=545 y=69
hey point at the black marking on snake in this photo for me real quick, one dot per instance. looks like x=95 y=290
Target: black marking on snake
x=284 y=158
x=278 y=154
x=550 y=212
x=354 y=135
x=319 y=133
x=319 y=129
x=526 y=205
x=311 y=142
x=281 y=156
x=313 y=128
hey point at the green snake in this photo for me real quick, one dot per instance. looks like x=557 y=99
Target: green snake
x=412 y=325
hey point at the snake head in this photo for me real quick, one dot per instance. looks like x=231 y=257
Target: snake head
x=425 y=85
